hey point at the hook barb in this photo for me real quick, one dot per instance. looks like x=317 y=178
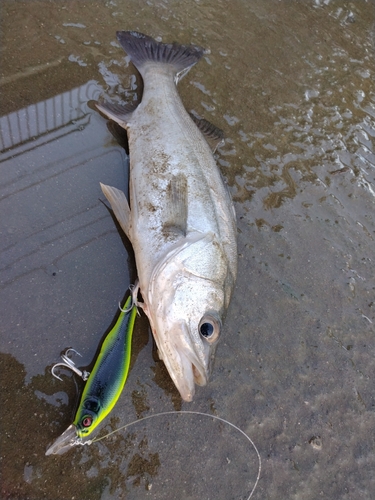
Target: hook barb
x=69 y=363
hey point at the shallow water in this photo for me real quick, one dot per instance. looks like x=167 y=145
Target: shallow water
x=292 y=85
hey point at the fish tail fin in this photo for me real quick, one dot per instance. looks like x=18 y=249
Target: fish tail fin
x=143 y=49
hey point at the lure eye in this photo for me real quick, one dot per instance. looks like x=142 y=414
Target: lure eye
x=209 y=328
x=86 y=421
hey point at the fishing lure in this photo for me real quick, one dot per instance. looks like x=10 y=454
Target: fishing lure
x=104 y=383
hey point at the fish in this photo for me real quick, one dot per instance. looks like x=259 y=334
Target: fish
x=104 y=384
x=180 y=217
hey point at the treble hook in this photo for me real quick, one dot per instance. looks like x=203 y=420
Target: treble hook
x=134 y=302
x=69 y=363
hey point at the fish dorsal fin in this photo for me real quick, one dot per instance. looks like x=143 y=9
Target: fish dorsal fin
x=119 y=113
x=213 y=135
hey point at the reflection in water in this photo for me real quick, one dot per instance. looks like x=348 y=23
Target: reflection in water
x=51 y=166
x=45 y=121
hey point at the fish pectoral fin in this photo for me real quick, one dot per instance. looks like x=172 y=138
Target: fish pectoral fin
x=117 y=112
x=120 y=206
x=176 y=206
x=213 y=135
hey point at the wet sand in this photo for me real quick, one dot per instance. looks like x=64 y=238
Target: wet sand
x=292 y=85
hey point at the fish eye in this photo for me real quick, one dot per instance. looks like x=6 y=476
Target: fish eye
x=209 y=328
x=86 y=421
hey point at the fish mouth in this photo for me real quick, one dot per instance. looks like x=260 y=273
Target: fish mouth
x=185 y=368
x=193 y=373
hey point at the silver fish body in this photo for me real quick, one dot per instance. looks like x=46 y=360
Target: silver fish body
x=181 y=220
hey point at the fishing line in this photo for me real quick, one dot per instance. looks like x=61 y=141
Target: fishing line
x=189 y=412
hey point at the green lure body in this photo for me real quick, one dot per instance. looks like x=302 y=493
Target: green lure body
x=104 y=384
x=109 y=374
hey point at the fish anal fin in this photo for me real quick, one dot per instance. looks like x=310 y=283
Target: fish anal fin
x=176 y=205
x=213 y=135
x=120 y=206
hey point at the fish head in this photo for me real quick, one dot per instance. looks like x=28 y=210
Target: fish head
x=185 y=305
